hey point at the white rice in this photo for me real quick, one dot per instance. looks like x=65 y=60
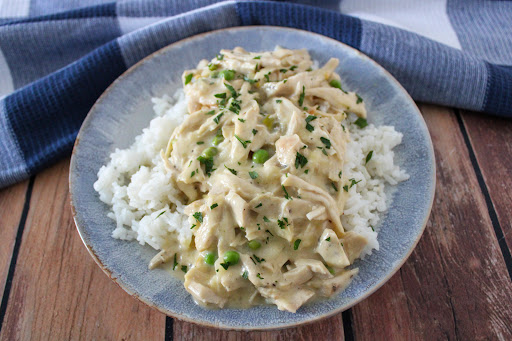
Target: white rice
x=139 y=194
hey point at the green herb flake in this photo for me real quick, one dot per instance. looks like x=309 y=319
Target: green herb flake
x=253 y=175
x=283 y=70
x=213 y=206
x=301 y=97
x=286 y=195
x=251 y=81
x=342 y=126
x=257 y=57
x=353 y=182
x=160 y=214
x=244 y=143
x=194 y=225
x=345 y=188
x=269 y=232
x=184 y=268
x=293 y=67
x=220 y=56
x=192 y=174
x=310 y=118
x=359 y=99
x=300 y=160
x=245 y=275
x=200 y=142
x=258 y=259
x=281 y=224
x=234 y=172
x=224 y=265
x=211 y=112
x=339 y=174
x=259 y=276
x=361 y=122
x=241 y=120
x=296 y=244
x=198 y=216
x=306 y=171
x=267 y=76
x=188 y=78
x=175 y=262
x=324 y=152
x=265 y=219
x=221 y=95
x=254 y=131
x=259 y=205
x=334 y=186
x=326 y=142
x=278 y=101
x=369 y=156
x=231 y=89
x=218 y=117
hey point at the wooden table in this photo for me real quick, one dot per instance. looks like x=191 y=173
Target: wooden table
x=456 y=284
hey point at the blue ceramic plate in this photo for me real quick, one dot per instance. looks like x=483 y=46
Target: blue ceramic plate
x=125 y=108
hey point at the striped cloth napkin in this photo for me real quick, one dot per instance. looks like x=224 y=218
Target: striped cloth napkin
x=58 y=56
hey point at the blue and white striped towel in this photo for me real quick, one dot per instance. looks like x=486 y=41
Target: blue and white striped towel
x=58 y=56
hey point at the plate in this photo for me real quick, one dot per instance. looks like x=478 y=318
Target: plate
x=125 y=108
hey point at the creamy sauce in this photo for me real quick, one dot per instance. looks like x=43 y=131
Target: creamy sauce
x=259 y=162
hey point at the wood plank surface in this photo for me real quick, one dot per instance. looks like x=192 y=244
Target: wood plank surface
x=455 y=285
x=58 y=292
x=491 y=140
x=12 y=200
x=328 y=329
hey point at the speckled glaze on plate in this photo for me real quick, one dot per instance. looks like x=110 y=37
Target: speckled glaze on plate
x=125 y=108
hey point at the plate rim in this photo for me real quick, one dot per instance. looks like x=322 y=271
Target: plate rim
x=317 y=318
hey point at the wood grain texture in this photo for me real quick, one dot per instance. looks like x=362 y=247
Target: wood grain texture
x=58 y=292
x=491 y=140
x=12 y=200
x=455 y=284
x=328 y=329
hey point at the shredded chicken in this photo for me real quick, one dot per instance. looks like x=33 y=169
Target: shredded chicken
x=258 y=161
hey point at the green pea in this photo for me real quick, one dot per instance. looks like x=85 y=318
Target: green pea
x=254 y=244
x=217 y=140
x=260 y=156
x=228 y=74
x=335 y=83
x=210 y=152
x=210 y=258
x=231 y=257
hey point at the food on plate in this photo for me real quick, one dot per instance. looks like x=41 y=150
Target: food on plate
x=263 y=186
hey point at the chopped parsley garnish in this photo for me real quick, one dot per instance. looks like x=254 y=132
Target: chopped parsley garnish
x=296 y=244
x=259 y=205
x=334 y=186
x=257 y=57
x=372 y=228
x=244 y=143
x=247 y=79
x=241 y=120
x=245 y=275
x=278 y=101
x=306 y=171
x=280 y=223
x=301 y=97
x=231 y=89
x=221 y=95
x=234 y=106
x=213 y=206
x=188 y=78
x=254 y=131
x=208 y=164
x=200 y=142
x=326 y=142
x=220 y=56
x=193 y=173
x=160 y=214
x=259 y=276
x=359 y=99
x=184 y=268
x=300 y=160
x=175 y=262
x=225 y=265
x=198 y=216
x=345 y=188
x=310 y=118
x=259 y=260
x=342 y=126
x=253 y=175
x=337 y=84
x=211 y=112
x=339 y=174
x=269 y=232
x=361 y=122
x=293 y=67
x=193 y=225
x=286 y=80
x=218 y=117
x=286 y=196
x=328 y=239
x=267 y=76
x=353 y=182
x=324 y=151
x=369 y=156
x=283 y=70
x=265 y=219
x=234 y=172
